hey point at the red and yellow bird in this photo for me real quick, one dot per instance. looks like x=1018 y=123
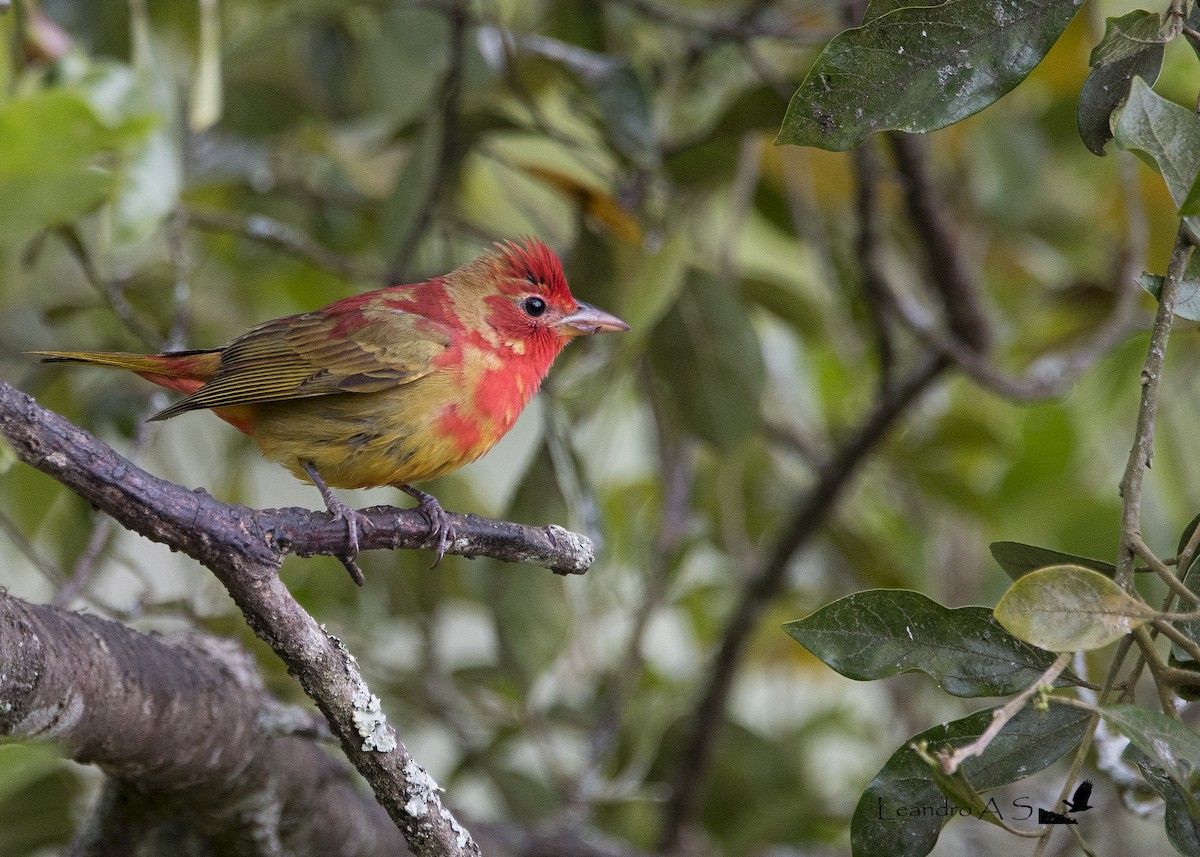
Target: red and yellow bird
x=389 y=387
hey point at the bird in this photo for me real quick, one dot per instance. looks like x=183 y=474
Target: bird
x=394 y=386
x=1079 y=800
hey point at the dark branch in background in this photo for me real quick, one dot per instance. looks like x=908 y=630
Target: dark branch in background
x=869 y=247
x=213 y=757
x=934 y=223
x=244 y=549
x=810 y=511
x=449 y=98
x=283 y=237
x=1049 y=375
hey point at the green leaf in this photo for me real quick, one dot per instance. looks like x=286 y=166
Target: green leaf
x=1018 y=559
x=147 y=188
x=962 y=794
x=623 y=98
x=655 y=286
x=920 y=69
x=1182 y=830
x=1187 y=299
x=874 y=634
x=1067 y=608
x=36 y=794
x=1132 y=47
x=1028 y=743
x=1164 y=135
x=205 y=107
x=710 y=362
x=50 y=162
x=628 y=114
x=1169 y=744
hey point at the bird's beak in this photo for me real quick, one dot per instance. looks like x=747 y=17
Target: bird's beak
x=588 y=320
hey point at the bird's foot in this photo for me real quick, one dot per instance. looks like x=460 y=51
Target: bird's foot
x=439 y=522
x=341 y=512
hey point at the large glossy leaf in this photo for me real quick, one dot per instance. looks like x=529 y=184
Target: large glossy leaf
x=874 y=634
x=1164 y=135
x=1067 y=608
x=1028 y=743
x=1172 y=746
x=708 y=357
x=920 y=69
x=1018 y=559
x=1182 y=829
x=1131 y=47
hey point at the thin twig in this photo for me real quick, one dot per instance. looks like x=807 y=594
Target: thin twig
x=1000 y=717
x=677 y=457
x=1150 y=655
x=47 y=569
x=1151 y=377
x=108 y=289
x=870 y=246
x=1164 y=573
x=1052 y=374
x=1178 y=638
x=1131 y=485
x=949 y=272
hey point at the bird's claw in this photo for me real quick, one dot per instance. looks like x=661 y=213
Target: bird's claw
x=342 y=512
x=354 y=519
x=440 y=527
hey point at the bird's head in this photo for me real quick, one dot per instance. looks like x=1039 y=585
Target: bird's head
x=529 y=301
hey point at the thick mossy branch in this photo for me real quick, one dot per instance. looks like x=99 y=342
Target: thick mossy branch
x=185 y=730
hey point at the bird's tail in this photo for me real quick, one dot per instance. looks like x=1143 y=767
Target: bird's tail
x=181 y=371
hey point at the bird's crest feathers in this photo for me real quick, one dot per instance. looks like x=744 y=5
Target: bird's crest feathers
x=534 y=262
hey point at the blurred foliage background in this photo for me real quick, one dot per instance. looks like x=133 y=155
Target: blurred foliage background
x=172 y=173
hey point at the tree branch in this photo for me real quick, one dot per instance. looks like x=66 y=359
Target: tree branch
x=204 y=528
x=948 y=270
x=182 y=726
x=244 y=549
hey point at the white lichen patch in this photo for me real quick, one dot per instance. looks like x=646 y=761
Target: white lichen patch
x=423 y=788
x=371 y=722
x=416 y=807
x=461 y=837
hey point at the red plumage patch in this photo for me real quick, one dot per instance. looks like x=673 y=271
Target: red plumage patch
x=535 y=262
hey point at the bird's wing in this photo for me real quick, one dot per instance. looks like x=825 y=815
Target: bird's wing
x=317 y=354
x=1083 y=793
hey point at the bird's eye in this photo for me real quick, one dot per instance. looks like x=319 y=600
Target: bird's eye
x=533 y=306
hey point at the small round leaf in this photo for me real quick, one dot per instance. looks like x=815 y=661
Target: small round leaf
x=1068 y=608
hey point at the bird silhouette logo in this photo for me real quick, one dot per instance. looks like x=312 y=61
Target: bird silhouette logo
x=1079 y=800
